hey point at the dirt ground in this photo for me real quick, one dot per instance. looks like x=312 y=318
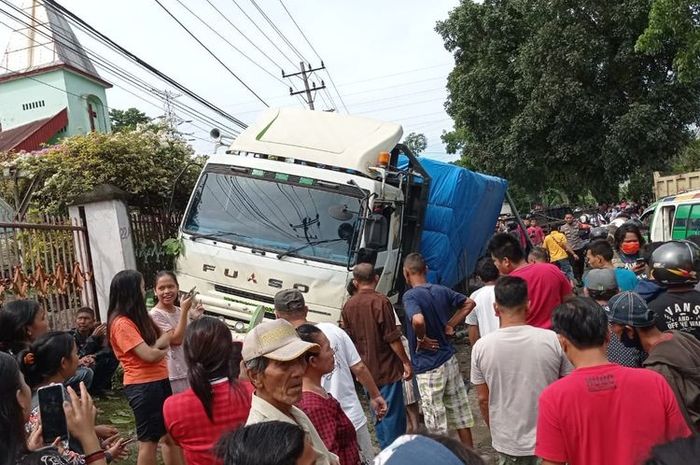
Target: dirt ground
x=480 y=433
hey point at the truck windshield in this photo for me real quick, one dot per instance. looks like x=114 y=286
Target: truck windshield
x=290 y=215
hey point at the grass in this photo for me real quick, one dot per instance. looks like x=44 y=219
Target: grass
x=114 y=410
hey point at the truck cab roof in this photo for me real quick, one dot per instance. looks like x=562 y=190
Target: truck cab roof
x=318 y=137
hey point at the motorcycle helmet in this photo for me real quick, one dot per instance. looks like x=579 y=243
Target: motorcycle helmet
x=585 y=219
x=676 y=263
x=636 y=222
x=598 y=233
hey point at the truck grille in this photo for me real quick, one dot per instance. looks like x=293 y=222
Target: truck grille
x=244 y=294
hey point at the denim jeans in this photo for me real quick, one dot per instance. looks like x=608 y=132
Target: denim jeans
x=83 y=374
x=565 y=266
x=393 y=424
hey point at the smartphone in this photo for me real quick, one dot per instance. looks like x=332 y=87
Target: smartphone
x=53 y=418
x=640 y=261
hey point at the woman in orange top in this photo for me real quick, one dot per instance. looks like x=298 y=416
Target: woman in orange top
x=141 y=348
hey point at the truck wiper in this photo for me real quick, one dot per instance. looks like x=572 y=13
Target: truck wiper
x=308 y=244
x=215 y=235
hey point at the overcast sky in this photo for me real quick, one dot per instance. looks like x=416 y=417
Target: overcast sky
x=384 y=56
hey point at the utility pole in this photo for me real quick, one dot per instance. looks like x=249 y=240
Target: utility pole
x=305 y=74
x=170 y=118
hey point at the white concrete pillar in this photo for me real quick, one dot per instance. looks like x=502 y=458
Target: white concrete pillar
x=104 y=213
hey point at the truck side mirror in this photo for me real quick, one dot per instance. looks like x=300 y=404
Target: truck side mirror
x=345 y=231
x=376 y=232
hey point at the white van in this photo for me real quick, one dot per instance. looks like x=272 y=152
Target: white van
x=675 y=217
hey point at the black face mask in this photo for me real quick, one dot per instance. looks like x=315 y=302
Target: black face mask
x=631 y=342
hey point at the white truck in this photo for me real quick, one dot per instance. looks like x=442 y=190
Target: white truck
x=301 y=196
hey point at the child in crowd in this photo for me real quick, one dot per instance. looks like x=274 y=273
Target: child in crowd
x=21 y=322
x=538 y=255
x=173 y=320
x=141 y=348
x=267 y=443
x=483 y=320
x=20 y=448
x=52 y=359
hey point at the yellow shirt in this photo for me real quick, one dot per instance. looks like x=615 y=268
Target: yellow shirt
x=554 y=243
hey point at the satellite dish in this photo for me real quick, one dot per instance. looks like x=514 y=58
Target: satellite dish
x=340 y=212
x=215 y=133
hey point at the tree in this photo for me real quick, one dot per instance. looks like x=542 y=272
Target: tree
x=416 y=142
x=144 y=162
x=553 y=94
x=675 y=24
x=688 y=159
x=127 y=120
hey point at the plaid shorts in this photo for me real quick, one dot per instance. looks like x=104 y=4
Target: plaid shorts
x=444 y=398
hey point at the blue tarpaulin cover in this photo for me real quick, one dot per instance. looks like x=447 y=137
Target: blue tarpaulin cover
x=463 y=207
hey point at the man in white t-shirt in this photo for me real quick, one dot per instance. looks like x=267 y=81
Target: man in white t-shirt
x=483 y=320
x=290 y=306
x=510 y=368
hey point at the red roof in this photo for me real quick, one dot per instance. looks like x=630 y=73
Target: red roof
x=32 y=135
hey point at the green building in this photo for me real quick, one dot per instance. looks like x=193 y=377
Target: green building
x=49 y=88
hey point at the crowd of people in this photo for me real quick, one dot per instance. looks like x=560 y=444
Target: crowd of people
x=590 y=364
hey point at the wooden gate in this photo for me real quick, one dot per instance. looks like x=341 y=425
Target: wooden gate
x=49 y=261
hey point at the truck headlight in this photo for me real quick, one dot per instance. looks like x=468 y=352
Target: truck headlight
x=239 y=327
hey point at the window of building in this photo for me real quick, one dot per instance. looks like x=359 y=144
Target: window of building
x=33 y=105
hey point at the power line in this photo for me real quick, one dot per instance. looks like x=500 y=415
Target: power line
x=275 y=77
x=400 y=73
x=366 y=91
x=255 y=24
x=210 y=53
x=376 y=110
x=80 y=96
x=245 y=13
x=292 y=47
x=330 y=78
x=277 y=30
x=393 y=86
x=134 y=81
x=105 y=64
x=218 y=34
x=397 y=96
x=102 y=37
x=66 y=41
x=245 y=36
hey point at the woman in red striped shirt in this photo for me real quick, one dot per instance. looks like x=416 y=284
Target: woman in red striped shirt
x=326 y=414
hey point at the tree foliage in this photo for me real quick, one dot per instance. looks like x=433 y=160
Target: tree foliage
x=127 y=120
x=675 y=24
x=416 y=142
x=688 y=159
x=145 y=163
x=554 y=95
